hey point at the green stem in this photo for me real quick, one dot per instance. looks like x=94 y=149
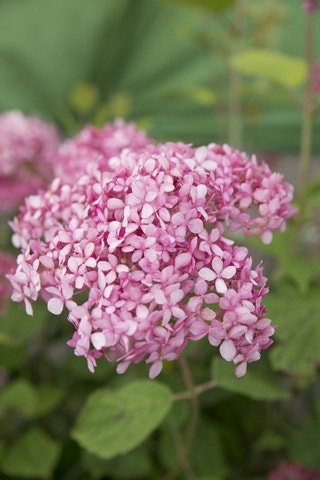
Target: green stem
x=198 y=389
x=194 y=401
x=235 y=82
x=184 y=447
x=307 y=114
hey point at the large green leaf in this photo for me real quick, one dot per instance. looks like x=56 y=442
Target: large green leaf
x=297 y=316
x=115 y=422
x=259 y=383
x=33 y=455
x=278 y=67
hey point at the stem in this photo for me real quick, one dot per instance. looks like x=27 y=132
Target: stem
x=194 y=400
x=198 y=389
x=307 y=113
x=184 y=447
x=235 y=83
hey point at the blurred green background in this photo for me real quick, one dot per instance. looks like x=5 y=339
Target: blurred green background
x=162 y=63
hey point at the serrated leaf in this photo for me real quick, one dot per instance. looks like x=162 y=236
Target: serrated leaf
x=115 y=422
x=297 y=317
x=259 y=383
x=33 y=455
x=275 y=66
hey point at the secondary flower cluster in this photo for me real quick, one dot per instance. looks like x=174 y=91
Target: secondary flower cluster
x=310 y=5
x=133 y=243
x=27 y=152
x=294 y=471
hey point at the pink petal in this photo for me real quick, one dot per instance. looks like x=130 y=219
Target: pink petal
x=241 y=369
x=182 y=260
x=207 y=274
x=55 y=305
x=98 y=340
x=221 y=285
x=228 y=272
x=155 y=369
x=228 y=350
x=195 y=225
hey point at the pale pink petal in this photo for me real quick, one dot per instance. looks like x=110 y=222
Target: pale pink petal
x=207 y=274
x=227 y=350
x=55 y=305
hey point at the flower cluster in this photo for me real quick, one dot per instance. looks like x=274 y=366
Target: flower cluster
x=27 y=151
x=310 y=5
x=135 y=248
x=293 y=471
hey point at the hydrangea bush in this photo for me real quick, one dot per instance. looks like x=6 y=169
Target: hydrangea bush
x=132 y=238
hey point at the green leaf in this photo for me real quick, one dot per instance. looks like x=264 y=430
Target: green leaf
x=134 y=464
x=275 y=66
x=206 y=441
x=211 y=5
x=297 y=316
x=19 y=396
x=48 y=397
x=115 y=422
x=259 y=383
x=17 y=328
x=304 y=444
x=33 y=455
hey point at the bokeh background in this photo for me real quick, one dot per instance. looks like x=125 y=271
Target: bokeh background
x=162 y=63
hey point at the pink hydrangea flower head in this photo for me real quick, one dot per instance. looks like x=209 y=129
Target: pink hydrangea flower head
x=27 y=151
x=136 y=251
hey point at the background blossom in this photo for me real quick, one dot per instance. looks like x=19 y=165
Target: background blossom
x=27 y=151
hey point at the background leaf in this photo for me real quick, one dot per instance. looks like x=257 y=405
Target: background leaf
x=297 y=316
x=114 y=422
x=32 y=455
x=259 y=383
x=275 y=66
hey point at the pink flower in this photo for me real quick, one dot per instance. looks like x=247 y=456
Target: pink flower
x=315 y=78
x=27 y=152
x=293 y=471
x=310 y=5
x=133 y=247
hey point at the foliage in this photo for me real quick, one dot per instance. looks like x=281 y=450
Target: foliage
x=150 y=61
